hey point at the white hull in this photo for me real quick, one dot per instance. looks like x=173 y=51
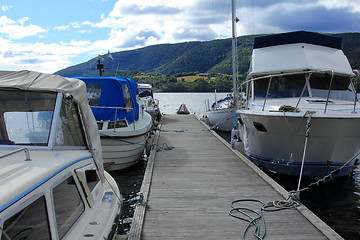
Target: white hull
x=276 y=140
x=222 y=119
x=123 y=152
x=123 y=147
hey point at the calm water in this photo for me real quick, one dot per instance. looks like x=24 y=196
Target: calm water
x=336 y=203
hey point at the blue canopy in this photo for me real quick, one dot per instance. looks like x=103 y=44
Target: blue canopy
x=112 y=92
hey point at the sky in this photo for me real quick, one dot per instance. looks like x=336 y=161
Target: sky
x=48 y=36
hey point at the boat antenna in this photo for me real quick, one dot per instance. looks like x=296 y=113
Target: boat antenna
x=100 y=66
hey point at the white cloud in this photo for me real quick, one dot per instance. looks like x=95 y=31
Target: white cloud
x=6 y=7
x=61 y=28
x=39 y=56
x=79 y=43
x=138 y=23
x=4 y=20
x=17 y=30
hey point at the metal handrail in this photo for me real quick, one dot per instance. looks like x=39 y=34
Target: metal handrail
x=327 y=99
x=270 y=76
x=27 y=154
x=116 y=108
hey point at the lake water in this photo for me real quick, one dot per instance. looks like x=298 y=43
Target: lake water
x=336 y=203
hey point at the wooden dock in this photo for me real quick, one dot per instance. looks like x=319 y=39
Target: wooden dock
x=188 y=191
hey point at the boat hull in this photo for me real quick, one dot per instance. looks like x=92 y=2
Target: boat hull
x=221 y=119
x=276 y=143
x=122 y=152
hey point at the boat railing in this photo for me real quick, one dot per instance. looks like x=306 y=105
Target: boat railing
x=27 y=154
x=308 y=74
x=116 y=109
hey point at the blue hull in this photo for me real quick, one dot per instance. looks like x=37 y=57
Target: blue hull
x=312 y=170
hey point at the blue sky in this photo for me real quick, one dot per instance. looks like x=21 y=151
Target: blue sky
x=47 y=36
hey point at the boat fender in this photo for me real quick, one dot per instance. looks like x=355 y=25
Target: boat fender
x=259 y=127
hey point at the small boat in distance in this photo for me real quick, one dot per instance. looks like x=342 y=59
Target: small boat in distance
x=301 y=116
x=124 y=126
x=220 y=115
x=148 y=101
x=183 y=109
x=53 y=184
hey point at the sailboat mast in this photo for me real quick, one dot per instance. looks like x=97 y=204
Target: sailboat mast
x=234 y=53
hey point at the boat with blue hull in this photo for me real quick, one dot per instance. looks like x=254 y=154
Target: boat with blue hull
x=53 y=184
x=124 y=126
x=301 y=115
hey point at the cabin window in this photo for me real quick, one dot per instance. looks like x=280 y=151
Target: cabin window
x=25 y=117
x=127 y=97
x=69 y=130
x=340 y=87
x=92 y=178
x=282 y=86
x=116 y=124
x=68 y=205
x=94 y=93
x=29 y=223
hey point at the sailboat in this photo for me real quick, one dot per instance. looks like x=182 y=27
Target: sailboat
x=302 y=116
x=220 y=115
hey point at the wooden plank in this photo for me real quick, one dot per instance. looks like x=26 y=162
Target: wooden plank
x=191 y=188
x=139 y=213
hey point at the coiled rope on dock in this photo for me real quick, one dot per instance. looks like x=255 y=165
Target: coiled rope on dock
x=244 y=214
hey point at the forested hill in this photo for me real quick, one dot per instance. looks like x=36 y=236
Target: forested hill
x=205 y=56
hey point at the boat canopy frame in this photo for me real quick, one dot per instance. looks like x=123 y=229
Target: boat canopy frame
x=250 y=90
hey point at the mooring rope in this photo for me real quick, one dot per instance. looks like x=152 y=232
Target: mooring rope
x=164 y=146
x=307 y=134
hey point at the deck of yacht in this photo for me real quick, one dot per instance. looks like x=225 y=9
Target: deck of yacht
x=188 y=191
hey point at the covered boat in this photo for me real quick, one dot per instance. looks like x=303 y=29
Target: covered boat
x=53 y=184
x=124 y=127
x=150 y=104
x=301 y=107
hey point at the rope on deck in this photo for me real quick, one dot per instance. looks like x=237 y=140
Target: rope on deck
x=164 y=146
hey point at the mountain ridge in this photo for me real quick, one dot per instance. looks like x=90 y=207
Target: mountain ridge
x=195 y=56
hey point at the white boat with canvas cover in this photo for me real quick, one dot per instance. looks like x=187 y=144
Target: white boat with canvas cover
x=53 y=184
x=124 y=127
x=301 y=115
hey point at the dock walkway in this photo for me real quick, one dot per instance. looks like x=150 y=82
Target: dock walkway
x=188 y=191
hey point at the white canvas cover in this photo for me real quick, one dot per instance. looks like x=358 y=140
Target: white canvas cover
x=35 y=81
x=298 y=57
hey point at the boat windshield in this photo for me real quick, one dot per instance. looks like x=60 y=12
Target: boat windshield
x=289 y=86
x=25 y=117
x=144 y=92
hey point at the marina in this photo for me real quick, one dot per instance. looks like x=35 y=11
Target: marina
x=188 y=190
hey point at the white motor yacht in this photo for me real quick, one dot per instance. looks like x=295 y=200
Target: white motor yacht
x=301 y=115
